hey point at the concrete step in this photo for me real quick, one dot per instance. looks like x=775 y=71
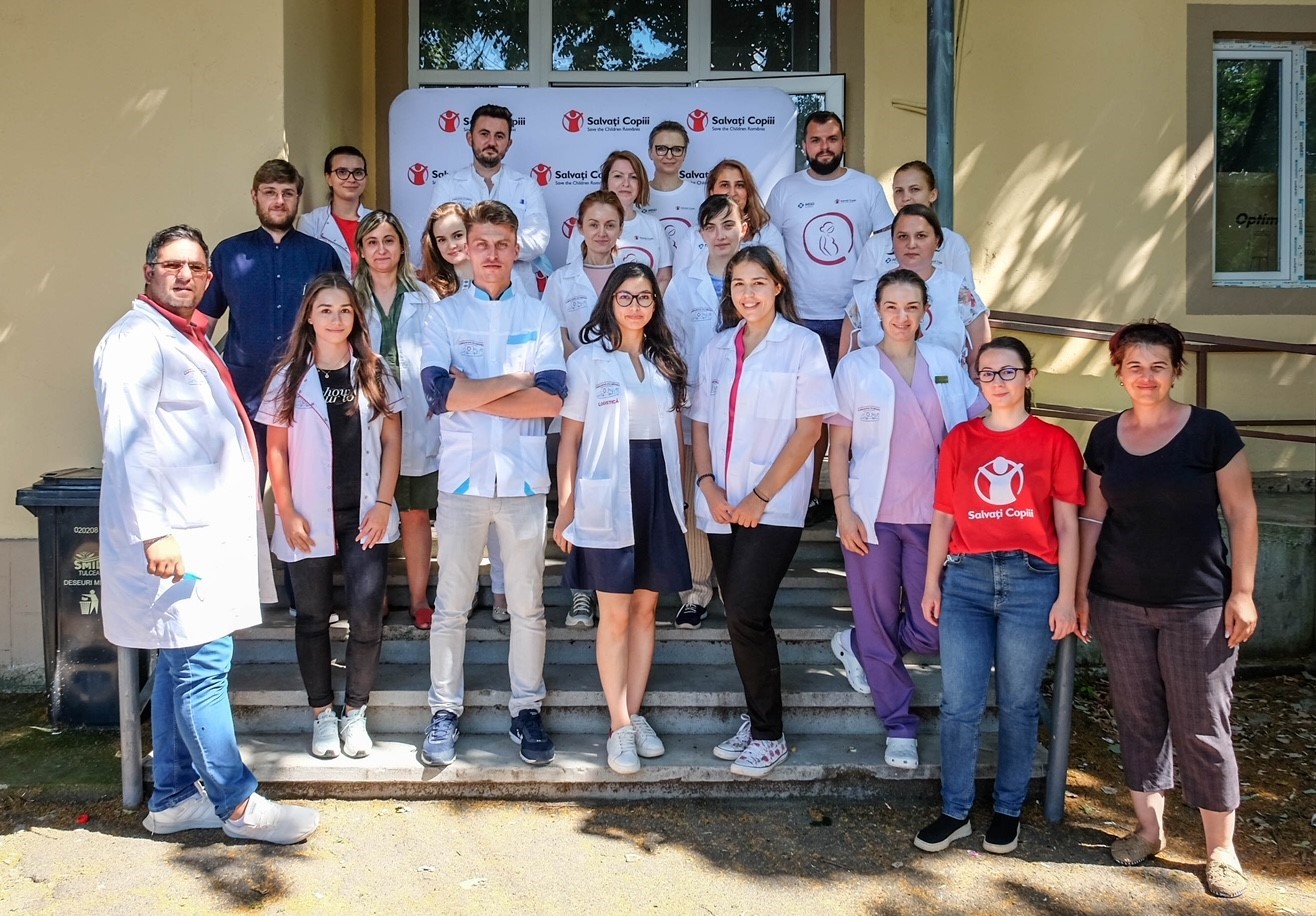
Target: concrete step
x=702 y=699
x=488 y=766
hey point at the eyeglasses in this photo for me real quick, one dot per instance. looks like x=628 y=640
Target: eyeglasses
x=173 y=267
x=344 y=174
x=626 y=300
x=669 y=150
x=1006 y=373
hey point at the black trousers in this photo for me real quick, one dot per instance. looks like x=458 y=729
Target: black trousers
x=364 y=575
x=750 y=564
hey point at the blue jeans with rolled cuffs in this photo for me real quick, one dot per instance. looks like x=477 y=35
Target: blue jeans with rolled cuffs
x=192 y=729
x=995 y=610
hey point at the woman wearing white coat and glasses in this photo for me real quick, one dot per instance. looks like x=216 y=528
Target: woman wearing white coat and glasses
x=336 y=223
x=619 y=491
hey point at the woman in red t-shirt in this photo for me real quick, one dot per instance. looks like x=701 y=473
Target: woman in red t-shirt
x=1005 y=527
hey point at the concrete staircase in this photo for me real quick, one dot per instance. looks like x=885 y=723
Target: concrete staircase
x=694 y=701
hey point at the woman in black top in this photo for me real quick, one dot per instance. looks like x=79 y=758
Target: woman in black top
x=1164 y=603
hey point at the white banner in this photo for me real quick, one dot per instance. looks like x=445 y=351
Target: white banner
x=561 y=136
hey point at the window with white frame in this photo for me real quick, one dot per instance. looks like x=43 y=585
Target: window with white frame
x=1265 y=150
x=574 y=42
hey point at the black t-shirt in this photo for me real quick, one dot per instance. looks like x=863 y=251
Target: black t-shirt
x=345 y=434
x=1161 y=543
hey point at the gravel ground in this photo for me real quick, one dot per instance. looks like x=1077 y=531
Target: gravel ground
x=699 y=857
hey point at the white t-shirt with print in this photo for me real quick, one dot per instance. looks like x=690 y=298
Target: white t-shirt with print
x=642 y=240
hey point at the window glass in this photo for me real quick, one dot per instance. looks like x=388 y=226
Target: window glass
x=1248 y=165
x=619 y=36
x=489 y=35
x=1309 y=271
x=765 y=36
x=806 y=103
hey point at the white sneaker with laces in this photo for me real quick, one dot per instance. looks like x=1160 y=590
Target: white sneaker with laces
x=621 y=751
x=352 y=732
x=647 y=742
x=271 y=822
x=842 y=648
x=196 y=812
x=733 y=747
x=761 y=757
x=324 y=735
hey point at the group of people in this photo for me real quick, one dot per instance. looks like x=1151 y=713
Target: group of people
x=682 y=391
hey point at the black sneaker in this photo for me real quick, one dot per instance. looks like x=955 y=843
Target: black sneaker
x=528 y=731
x=818 y=512
x=1002 y=834
x=690 y=616
x=942 y=832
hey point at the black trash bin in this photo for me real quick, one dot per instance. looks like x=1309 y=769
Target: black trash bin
x=81 y=665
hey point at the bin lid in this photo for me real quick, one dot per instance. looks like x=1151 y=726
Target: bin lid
x=67 y=487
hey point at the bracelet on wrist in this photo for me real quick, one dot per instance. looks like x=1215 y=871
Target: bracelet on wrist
x=836 y=496
x=384 y=502
x=755 y=491
x=700 y=479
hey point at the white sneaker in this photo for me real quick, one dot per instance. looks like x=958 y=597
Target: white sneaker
x=324 y=735
x=854 y=671
x=621 y=751
x=500 y=612
x=271 y=822
x=902 y=753
x=733 y=747
x=647 y=742
x=352 y=732
x=196 y=812
x=761 y=757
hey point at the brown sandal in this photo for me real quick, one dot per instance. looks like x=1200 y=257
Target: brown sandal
x=1134 y=850
x=1224 y=880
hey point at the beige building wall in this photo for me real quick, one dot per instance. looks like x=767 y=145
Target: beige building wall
x=1072 y=184
x=120 y=119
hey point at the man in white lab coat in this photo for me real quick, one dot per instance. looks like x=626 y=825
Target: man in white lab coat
x=184 y=561
x=490 y=137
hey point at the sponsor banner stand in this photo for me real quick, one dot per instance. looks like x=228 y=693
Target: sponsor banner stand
x=562 y=135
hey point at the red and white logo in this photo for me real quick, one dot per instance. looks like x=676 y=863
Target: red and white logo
x=416 y=174
x=1000 y=481
x=567 y=226
x=543 y=173
x=541 y=280
x=448 y=121
x=573 y=121
x=829 y=238
x=697 y=120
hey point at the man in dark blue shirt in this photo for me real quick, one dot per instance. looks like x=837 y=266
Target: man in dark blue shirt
x=259 y=278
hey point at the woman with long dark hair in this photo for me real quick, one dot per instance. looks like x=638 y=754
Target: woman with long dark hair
x=335 y=448
x=619 y=491
x=764 y=388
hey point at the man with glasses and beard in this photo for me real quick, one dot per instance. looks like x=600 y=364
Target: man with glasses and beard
x=490 y=137
x=825 y=213
x=259 y=277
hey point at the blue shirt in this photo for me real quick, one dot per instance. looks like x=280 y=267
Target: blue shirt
x=260 y=284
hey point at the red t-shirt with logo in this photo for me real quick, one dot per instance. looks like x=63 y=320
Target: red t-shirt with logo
x=998 y=486
x=348 y=228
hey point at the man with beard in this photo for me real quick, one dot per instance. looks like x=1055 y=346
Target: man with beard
x=490 y=137
x=825 y=213
x=259 y=278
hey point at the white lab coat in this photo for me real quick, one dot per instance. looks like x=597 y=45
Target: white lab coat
x=518 y=191
x=952 y=307
x=420 y=430
x=643 y=241
x=866 y=397
x=571 y=298
x=878 y=256
x=310 y=461
x=484 y=455
x=692 y=249
x=692 y=307
x=177 y=461
x=785 y=378
x=596 y=396
x=320 y=224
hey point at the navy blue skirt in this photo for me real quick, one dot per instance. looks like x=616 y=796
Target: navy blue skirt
x=658 y=561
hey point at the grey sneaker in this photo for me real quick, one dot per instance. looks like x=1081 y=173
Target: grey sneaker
x=581 y=613
x=440 y=745
x=733 y=747
x=196 y=812
x=352 y=732
x=324 y=735
x=647 y=742
x=500 y=612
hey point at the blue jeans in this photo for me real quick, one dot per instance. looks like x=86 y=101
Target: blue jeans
x=995 y=608
x=192 y=729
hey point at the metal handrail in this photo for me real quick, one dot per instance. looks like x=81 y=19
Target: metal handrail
x=1201 y=345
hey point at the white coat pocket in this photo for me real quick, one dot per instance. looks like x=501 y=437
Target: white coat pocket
x=455 y=469
x=594 y=506
x=189 y=495
x=534 y=453
x=775 y=395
